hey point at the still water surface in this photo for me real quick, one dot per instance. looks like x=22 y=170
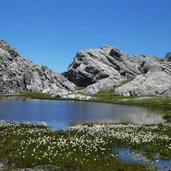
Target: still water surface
x=60 y=114
x=130 y=156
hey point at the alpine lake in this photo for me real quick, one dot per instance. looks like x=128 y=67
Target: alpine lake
x=77 y=135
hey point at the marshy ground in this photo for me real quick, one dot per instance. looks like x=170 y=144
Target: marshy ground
x=89 y=146
x=82 y=147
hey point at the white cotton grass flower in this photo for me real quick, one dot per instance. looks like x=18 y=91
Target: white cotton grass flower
x=45 y=144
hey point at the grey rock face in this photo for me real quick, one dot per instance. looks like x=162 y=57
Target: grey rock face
x=96 y=69
x=156 y=83
x=104 y=84
x=168 y=57
x=18 y=74
x=107 y=67
x=90 y=66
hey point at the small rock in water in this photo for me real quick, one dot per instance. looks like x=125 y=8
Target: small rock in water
x=2 y=165
x=27 y=169
x=46 y=168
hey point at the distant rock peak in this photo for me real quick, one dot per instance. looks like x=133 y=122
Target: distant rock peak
x=168 y=57
x=5 y=46
x=106 y=47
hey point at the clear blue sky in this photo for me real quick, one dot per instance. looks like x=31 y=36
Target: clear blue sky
x=50 y=32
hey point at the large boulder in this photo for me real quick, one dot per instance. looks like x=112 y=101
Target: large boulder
x=18 y=74
x=152 y=83
x=90 y=66
x=107 y=67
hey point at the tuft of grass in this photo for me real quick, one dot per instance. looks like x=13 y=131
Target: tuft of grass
x=167 y=117
x=43 y=96
x=154 y=102
x=78 y=88
x=124 y=82
x=36 y=95
x=109 y=96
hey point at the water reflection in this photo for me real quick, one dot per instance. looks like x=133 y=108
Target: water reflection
x=131 y=156
x=60 y=114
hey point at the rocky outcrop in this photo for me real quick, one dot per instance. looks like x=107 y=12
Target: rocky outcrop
x=168 y=57
x=107 y=67
x=152 y=83
x=18 y=74
x=90 y=66
x=94 y=69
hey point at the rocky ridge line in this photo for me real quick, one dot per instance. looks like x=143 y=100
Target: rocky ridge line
x=94 y=69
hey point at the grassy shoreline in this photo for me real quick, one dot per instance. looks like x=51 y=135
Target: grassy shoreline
x=111 y=97
x=82 y=147
x=88 y=146
x=158 y=104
